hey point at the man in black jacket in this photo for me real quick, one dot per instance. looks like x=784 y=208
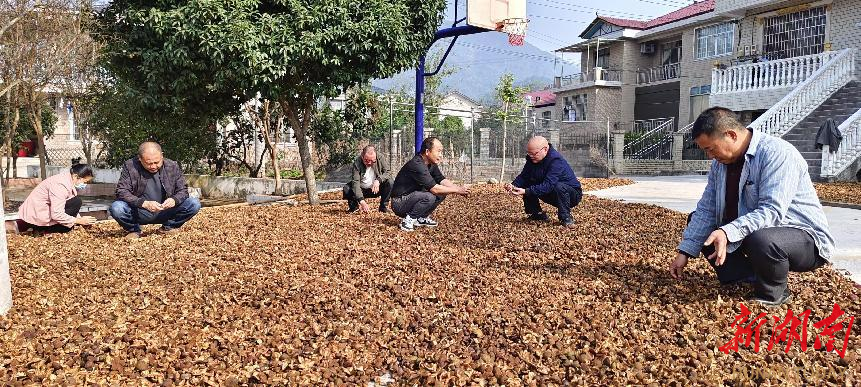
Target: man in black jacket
x=371 y=178
x=152 y=190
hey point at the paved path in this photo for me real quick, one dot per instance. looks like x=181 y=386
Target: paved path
x=681 y=193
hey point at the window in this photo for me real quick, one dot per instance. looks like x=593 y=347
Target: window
x=699 y=100
x=794 y=34
x=580 y=106
x=546 y=116
x=714 y=40
x=671 y=52
x=603 y=59
x=575 y=108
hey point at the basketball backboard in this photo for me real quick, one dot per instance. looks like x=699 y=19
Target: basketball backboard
x=491 y=13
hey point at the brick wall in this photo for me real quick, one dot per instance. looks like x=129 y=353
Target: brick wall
x=845 y=28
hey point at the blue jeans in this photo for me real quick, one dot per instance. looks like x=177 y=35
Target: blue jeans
x=131 y=219
x=563 y=197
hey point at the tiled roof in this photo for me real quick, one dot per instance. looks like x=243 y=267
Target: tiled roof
x=542 y=97
x=679 y=14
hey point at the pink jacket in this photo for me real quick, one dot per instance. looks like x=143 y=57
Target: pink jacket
x=46 y=205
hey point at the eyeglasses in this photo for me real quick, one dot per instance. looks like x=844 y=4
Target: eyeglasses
x=536 y=153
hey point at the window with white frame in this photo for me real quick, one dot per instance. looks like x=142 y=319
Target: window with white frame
x=603 y=58
x=794 y=34
x=546 y=116
x=715 y=40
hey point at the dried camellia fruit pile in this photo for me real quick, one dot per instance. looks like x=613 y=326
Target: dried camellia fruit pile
x=841 y=192
x=309 y=295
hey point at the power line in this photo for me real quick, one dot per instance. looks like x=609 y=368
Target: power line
x=592 y=10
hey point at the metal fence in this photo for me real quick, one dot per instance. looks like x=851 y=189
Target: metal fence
x=478 y=144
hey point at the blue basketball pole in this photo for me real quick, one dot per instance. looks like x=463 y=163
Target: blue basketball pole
x=452 y=32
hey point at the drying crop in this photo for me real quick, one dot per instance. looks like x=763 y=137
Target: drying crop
x=290 y=295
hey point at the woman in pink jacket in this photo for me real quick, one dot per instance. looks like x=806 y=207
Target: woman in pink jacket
x=53 y=206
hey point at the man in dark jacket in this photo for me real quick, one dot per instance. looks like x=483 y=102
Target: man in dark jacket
x=548 y=177
x=371 y=179
x=152 y=190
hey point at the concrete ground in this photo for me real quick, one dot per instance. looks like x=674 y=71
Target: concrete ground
x=681 y=193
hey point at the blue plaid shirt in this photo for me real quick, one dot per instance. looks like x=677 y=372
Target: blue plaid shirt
x=775 y=191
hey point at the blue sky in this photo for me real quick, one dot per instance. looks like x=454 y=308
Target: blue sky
x=556 y=23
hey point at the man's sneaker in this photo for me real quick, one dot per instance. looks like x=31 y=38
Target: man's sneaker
x=426 y=222
x=787 y=297
x=539 y=217
x=408 y=224
x=133 y=235
x=569 y=223
x=352 y=209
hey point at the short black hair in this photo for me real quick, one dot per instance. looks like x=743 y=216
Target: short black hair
x=427 y=144
x=81 y=170
x=715 y=120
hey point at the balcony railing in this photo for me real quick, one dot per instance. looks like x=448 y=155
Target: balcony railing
x=659 y=73
x=766 y=75
x=596 y=76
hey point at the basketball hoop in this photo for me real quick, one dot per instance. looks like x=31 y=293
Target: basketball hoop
x=516 y=30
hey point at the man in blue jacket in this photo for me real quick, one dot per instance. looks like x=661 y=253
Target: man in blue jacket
x=548 y=177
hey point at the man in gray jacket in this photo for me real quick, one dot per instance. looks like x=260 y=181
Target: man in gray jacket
x=371 y=178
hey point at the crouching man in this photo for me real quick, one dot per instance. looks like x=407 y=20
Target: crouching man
x=546 y=176
x=371 y=179
x=420 y=187
x=152 y=190
x=759 y=217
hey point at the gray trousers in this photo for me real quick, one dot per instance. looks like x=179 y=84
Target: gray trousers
x=769 y=255
x=417 y=204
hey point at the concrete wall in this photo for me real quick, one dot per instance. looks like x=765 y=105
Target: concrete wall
x=212 y=187
x=660 y=167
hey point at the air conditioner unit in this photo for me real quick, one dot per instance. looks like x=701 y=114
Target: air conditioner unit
x=647 y=48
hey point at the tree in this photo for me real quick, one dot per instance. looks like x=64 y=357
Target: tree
x=291 y=52
x=512 y=103
x=122 y=121
x=42 y=43
x=337 y=133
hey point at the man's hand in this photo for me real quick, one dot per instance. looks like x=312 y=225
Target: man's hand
x=151 y=206
x=719 y=240
x=678 y=265
x=518 y=191
x=364 y=207
x=463 y=190
x=169 y=203
x=85 y=220
x=507 y=187
x=375 y=188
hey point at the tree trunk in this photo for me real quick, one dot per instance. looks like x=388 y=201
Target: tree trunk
x=504 y=138
x=35 y=111
x=301 y=133
x=5 y=279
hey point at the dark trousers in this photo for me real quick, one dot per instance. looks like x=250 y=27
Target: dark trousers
x=563 y=196
x=418 y=204
x=73 y=208
x=768 y=255
x=384 y=193
x=131 y=219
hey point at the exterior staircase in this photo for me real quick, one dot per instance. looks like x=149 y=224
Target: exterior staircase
x=839 y=106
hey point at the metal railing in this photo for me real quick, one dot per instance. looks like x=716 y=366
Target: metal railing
x=655 y=143
x=597 y=76
x=659 y=73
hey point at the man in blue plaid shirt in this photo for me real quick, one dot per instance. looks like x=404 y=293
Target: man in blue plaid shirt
x=759 y=217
